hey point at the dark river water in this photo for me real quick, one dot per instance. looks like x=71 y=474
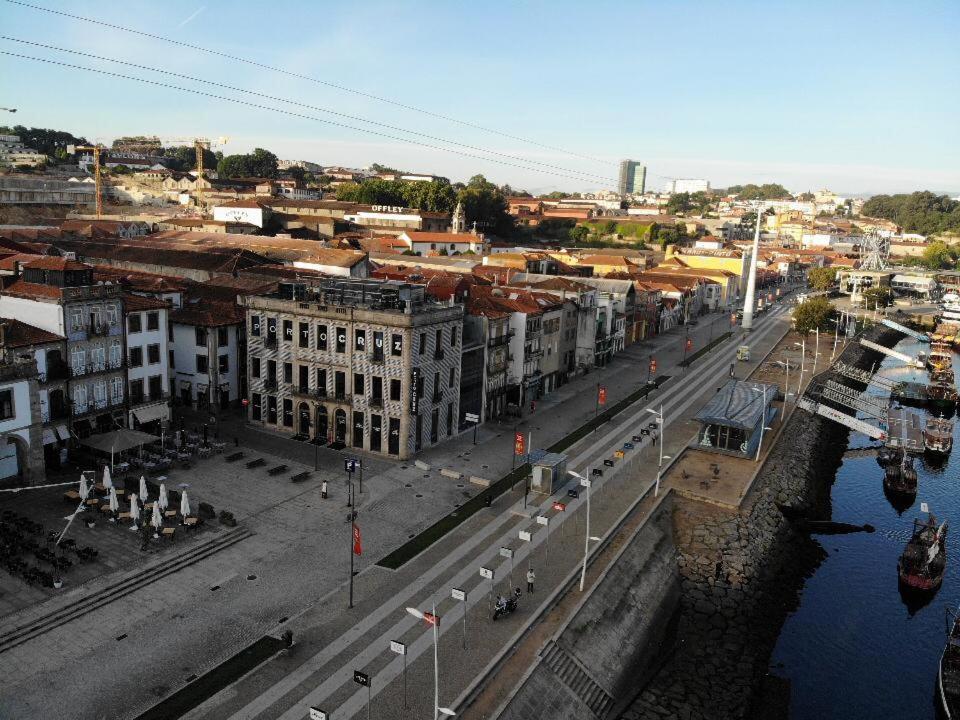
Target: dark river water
x=854 y=649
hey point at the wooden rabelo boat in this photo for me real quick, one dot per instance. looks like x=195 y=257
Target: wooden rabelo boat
x=900 y=477
x=938 y=435
x=924 y=559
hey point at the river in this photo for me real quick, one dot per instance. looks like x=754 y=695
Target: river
x=853 y=648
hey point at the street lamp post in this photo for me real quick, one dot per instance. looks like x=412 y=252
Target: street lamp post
x=763 y=418
x=660 y=424
x=587 y=537
x=435 y=621
x=803 y=355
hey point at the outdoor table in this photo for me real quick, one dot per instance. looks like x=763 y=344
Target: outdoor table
x=170 y=513
x=190 y=521
x=123 y=467
x=120 y=491
x=123 y=516
x=168 y=532
x=161 y=478
x=100 y=487
x=183 y=456
x=150 y=465
x=105 y=509
x=93 y=502
x=71 y=495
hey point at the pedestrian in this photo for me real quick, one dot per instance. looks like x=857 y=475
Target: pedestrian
x=533 y=405
x=530 y=578
x=323 y=490
x=732 y=366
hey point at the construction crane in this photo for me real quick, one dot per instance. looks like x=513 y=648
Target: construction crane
x=199 y=145
x=96 y=150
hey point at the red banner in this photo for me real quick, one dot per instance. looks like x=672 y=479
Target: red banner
x=357 y=546
x=733 y=318
x=653 y=365
x=559 y=506
x=602 y=395
x=518 y=444
x=689 y=344
x=431 y=619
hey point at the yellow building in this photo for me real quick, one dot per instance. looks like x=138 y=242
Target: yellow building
x=730 y=259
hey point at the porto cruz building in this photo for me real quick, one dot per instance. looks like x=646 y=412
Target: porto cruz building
x=368 y=364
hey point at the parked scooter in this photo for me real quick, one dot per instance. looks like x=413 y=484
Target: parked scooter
x=505 y=606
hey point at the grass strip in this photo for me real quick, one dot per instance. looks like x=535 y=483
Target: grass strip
x=425 y=539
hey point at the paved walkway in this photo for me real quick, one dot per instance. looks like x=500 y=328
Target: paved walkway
x=293 y=571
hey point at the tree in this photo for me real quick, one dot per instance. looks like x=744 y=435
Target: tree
x=877 y=296
x=49 y=142
x=679 y=203
x=805 y=196
x=939 y=256
x=812 y=314
x=822 y=278
x=579 y=233
x=183 y=158
x=260 y=163
x=484 y=204
x=919 y=212
x=767 y=191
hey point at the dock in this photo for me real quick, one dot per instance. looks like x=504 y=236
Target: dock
x=904 y=430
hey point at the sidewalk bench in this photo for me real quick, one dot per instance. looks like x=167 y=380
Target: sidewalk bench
x=276 y=470
x=300 y=477
x=259 y=462
x=234 y=457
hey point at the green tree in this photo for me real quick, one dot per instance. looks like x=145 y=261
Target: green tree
x=52 y=143
x=767 y=191
x=805 y=196
x=812 y=314
x=260 y=163
x=822 y=278
x=679 y=203
x=877 y=296
x=939 y=256
x=919 y=212
x=579 y=233
x=484 y=204
x=183 y=158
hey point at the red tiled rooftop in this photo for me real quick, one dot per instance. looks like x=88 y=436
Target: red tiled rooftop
x=20 y=334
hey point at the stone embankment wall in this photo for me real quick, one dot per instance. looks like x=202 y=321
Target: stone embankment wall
x=741 y=572
x=592 y=667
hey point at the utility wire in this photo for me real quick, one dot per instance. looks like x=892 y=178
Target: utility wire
x=586 y=176
x=304 y=116
x=336 y=86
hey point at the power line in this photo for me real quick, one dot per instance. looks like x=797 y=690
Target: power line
x=586 y=176
x=259 y=106
x=327 y=83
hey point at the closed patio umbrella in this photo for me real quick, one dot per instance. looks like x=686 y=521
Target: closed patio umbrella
x=134 y=510
x=184 y=504
x=143 y=488
x=107 y=482
x=157 y=520
x=163 y=501
x=84 y=487
x=114 y=503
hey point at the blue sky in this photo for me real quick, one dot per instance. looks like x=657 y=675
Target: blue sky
x=854 y=96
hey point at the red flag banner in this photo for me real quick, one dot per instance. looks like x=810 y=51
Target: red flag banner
x=602 y=395
x=653 y=365
x=357 y=545
x=431 y=619
x=559 y=506
x=518 y=444
x=689 y=344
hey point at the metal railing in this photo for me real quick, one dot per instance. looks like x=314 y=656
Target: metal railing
x=93 y=368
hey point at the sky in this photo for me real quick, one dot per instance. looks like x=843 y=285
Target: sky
x=859 y=97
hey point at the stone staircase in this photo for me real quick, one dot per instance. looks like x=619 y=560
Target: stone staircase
x=575 y=677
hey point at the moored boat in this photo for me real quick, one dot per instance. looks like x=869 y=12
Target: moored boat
x=948 y=675
x=900 y=478
x=938 y=435
x=924 y=559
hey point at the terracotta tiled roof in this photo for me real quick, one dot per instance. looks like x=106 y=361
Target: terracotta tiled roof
x=440 y=237
x=207 y=314
x=49 y=262
x=32 y=291
x=20 y=334
x=138 y=303
x=9 y=262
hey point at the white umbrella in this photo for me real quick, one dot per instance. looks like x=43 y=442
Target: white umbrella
x=134 y=510
x=114 y=503
x=163 y=501
x=156 y=521
x=184 y=504
x=84 y=487
x=107 y=482
x=143 y=488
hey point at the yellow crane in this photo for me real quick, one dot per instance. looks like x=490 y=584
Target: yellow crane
x=96 y=150
x=199 y=144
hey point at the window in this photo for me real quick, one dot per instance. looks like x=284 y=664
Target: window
x=358 y=429
x=116 y=354
x=136 y=357
x=339 y=384
x=394 y=389
x=76 y=319
x=271 y=372
x=423 y=343
x=288 y=372
x=453 y=375
x=360 y=340
x=6 y=404
x=254 y=367
x=321 y=337
x=223 y=362
x=358 y=383
x=322 y=380
x=420 y=387
x=287 y=412
x=378 y=346
x=436 y=384
x=201 y=363
x=304 y=335
x=434 y=425
x=271 y=339
x=156 y=387
x=256 y=404
x=223 y=336
x=134 y=323
x=78 y=359
x=169 y=332
x=98 y=358
x=396 y=345
x=173 y=364
x=376 y=423
x=450 y=419
x=153 y=320
x=255 y=325
x=376 y=387
x=341 y=340
x=112 y=314
x=454 y=334
x=116 y=390
x=136 y=391
x=100 y=392
x=153 y=354
x=439 y=346
x=201 y=337
x=288 y=331
x=272 y=409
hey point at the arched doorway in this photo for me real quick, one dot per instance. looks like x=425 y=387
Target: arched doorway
x=304 y=413
x=13 y=458
x=321 y=433
x=340 y=426
x=58 y=404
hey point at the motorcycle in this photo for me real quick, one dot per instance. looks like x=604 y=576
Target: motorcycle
x=506 y=606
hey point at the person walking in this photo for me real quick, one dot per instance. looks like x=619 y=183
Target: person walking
x=531 y=576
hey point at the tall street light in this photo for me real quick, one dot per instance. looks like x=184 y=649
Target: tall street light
x=663 y=457
x=803 y=355
x=432 y=619
x=763 y=418
x=587 y=537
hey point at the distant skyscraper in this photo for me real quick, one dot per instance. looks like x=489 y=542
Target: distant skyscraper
x=633 y=178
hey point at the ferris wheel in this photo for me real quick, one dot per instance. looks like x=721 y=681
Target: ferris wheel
x=874 y=252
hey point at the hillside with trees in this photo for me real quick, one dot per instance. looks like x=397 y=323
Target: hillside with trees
x=919 y=212
x=260 y=164
x=52 y=143
x=767 y=191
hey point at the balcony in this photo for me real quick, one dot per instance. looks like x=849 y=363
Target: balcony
x=375 y=402
x=343 y=398
x=531 y=354
x=500 y=340
x=96 y=406
x=307 y=392
x=149 y=398
x=94 y=368
x=99 y=329
x=55 y=373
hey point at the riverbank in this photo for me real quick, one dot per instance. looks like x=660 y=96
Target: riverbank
x=741 y=570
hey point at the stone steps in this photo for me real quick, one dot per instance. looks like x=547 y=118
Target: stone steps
x=575 y=677
x=130 y=583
